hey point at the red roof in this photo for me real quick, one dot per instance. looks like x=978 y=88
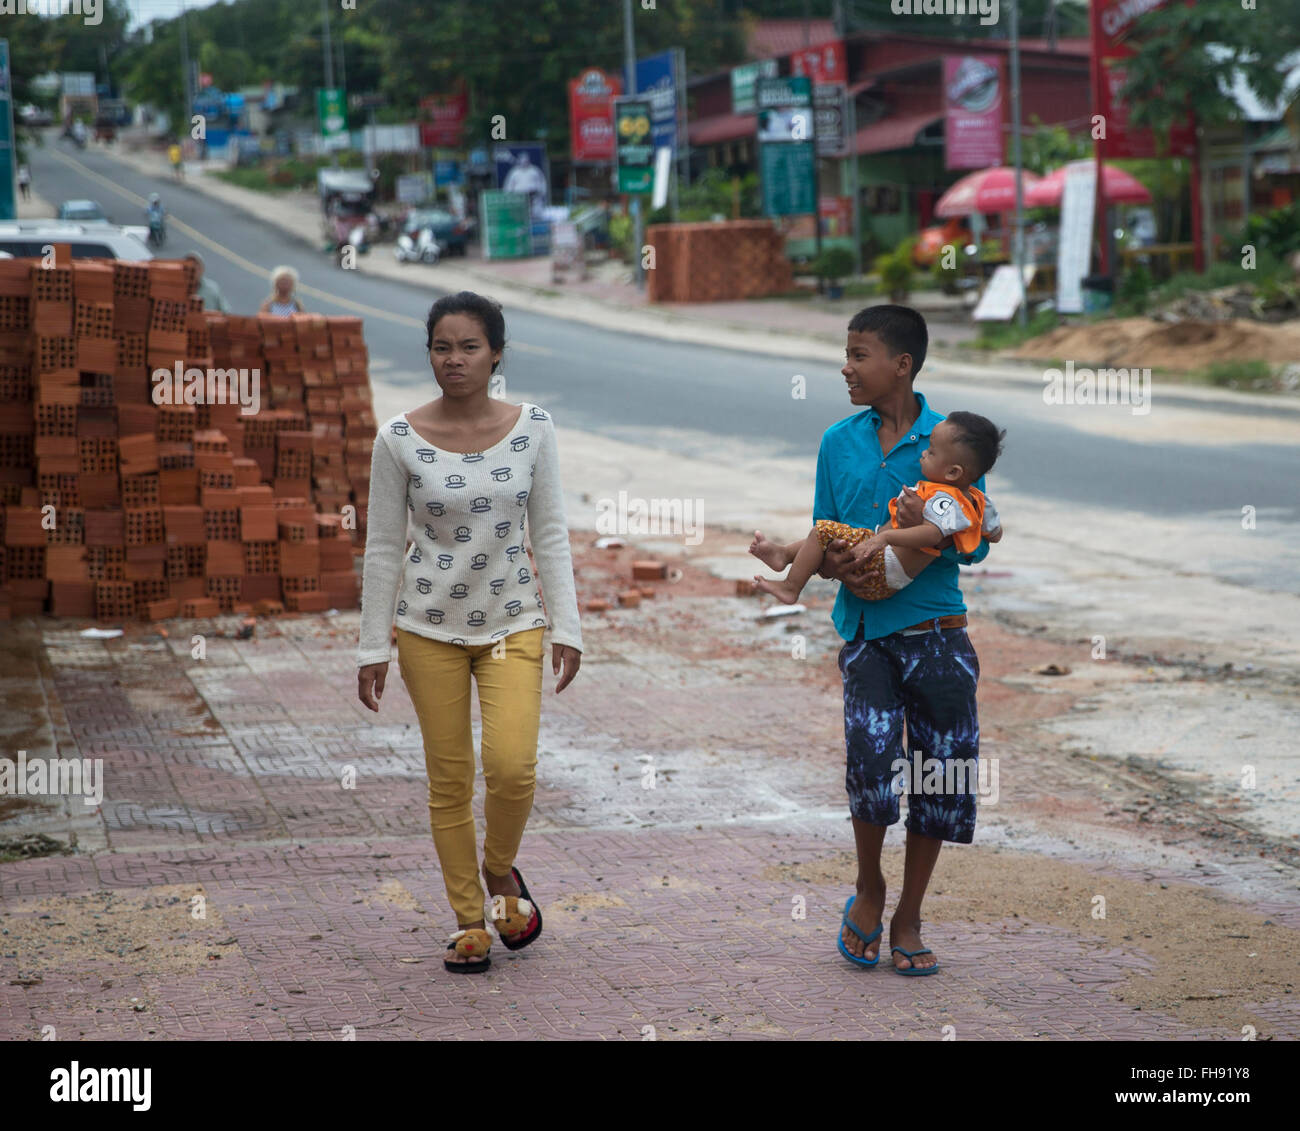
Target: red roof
x=781 y=37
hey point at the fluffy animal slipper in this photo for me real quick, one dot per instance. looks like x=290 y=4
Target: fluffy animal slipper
x=511 y=915
x=473 y=944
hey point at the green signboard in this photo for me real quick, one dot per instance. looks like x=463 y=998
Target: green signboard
x=743 y=79
x=8 y=157
x=787 y=174
x=786 y=145
x=634 y=145
x=333 y=111
x=507 y=224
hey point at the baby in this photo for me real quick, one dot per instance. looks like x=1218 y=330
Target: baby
x=962 y=448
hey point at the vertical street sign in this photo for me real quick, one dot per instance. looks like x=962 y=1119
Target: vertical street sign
x=333 y=113
x=786 y=141
x=634 y=145
x=8 y=153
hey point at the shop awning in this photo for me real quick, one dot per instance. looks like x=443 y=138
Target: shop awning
x=896 y=132
x=723 y=127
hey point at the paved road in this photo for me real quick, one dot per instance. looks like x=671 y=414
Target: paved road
x=627 y=387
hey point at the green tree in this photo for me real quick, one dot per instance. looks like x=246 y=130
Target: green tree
x=1188 y=56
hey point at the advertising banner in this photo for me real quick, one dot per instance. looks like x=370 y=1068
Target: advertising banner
x=786 y=157
x=827 y=63
x=333 y=113
x=591 y=115
x=656 y=79
x=743 y=79
x=1111 y=21
x=1074 y=245
x=442 y=119
x=507 y=225
x=522 y=168
x=8 y=155
x=636 y=149
x=973 y=111
x=830 y=118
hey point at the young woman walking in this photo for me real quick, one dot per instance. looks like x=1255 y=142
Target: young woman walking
x=468 y=470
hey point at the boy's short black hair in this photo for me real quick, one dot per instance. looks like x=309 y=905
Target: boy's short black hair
x=901 y=328
x=981 y=437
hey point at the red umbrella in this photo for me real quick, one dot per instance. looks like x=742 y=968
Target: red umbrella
x=989 y=190
x=1120 y=188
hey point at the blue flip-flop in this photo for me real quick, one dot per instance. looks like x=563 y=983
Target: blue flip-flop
x=867 y=939
x=914 y=971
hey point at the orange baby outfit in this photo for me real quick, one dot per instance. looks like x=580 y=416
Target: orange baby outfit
x=952 y=512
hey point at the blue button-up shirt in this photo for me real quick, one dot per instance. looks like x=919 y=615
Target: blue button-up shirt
x=855 y=482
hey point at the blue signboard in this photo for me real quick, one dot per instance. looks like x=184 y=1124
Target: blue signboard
x=447 y=173
x=656 y=79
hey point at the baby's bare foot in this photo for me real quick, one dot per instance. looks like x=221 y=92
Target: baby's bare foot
x=785 y=593
x=771 y=554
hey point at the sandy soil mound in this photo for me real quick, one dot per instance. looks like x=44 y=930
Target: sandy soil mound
x=1183 y=346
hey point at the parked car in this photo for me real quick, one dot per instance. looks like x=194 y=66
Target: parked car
x=80 y=210
x=30 y=238
x=32 y=115
x=452 y=234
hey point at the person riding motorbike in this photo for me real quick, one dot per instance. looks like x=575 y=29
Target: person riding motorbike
x=157 y=218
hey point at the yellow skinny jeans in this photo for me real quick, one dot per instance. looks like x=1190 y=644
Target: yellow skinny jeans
x=437 y=676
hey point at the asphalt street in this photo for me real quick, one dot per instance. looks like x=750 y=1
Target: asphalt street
x=628 y=387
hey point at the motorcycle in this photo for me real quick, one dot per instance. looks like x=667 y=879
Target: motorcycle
x=157 y=232
x=358 y=240
x=424 y=248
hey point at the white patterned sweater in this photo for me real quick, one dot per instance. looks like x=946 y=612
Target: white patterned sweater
x=466 y=577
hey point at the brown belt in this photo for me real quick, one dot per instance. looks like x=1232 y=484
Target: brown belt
x=957 y=620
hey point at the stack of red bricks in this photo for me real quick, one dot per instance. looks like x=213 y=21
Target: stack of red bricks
x=118 y=507
x=717 y=262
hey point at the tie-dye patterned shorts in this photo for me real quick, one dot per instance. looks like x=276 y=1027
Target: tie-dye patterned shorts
x=928 y=681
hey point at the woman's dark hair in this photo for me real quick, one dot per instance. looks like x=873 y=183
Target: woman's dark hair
x=979 y=436
x=476 y=306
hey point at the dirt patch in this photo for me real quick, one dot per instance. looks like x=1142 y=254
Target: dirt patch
x=1212 y=957
x=129 y=931
x=392 y=893
x=1182 y=346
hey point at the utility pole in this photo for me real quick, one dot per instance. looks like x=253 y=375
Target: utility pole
x=185 y=75
x=329 y=70
x=329 y=54
x=1018 y=239
x=634 y=205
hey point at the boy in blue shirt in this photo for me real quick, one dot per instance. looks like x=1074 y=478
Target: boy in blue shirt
x=906 y=658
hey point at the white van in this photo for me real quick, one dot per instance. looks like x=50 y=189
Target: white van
x=93 y=240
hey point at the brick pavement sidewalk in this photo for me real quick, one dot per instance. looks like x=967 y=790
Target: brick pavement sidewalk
x=232 y=885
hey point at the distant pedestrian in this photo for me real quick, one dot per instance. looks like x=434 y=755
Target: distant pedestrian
x=25 y=181
x=174 y=156
x=467 y=604
x=283 y=299
x=206 y=288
